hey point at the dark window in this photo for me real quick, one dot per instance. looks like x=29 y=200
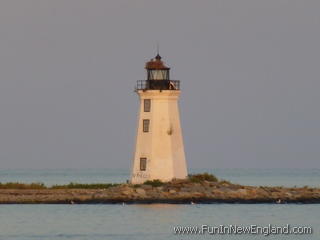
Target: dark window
x=146 y=123
x=147 y=105
x=143 y=164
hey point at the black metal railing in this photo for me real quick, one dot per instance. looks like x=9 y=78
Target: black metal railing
x=158 y=85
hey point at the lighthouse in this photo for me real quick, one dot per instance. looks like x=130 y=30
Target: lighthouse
x=159 y=151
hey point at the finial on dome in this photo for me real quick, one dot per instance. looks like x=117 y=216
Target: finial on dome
x=158 y=57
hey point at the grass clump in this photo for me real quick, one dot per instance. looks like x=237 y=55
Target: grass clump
x=85 y=186
x=154 y=183
x=197 y=178
x=17 y=185
x=225 y=182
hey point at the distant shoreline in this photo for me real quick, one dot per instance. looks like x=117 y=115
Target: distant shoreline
x=202 y=189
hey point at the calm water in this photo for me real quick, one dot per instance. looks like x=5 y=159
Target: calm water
x=130 y=222
x=284 y=177
x=122 y=222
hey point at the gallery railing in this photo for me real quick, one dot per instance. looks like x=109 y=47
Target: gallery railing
x=158 y=85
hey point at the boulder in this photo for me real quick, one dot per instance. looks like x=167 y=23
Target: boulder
x=141 y=191
x=242 y=191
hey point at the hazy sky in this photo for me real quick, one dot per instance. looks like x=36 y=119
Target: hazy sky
x=249 y=70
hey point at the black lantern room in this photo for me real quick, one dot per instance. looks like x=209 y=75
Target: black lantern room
x=158 y=77
x=156 y=69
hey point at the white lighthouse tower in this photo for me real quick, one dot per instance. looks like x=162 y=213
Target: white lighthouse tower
x=159 y=152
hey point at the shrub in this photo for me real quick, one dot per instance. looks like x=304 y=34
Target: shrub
x=84 y=186
x=154 y=183
x=17 y=185
x=202 y=177
x=224 y=181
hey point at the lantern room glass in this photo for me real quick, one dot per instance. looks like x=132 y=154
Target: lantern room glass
x=158 y=74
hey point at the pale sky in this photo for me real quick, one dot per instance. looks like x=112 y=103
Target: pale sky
x=249 y=74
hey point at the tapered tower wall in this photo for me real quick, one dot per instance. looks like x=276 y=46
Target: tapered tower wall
x=162 y=145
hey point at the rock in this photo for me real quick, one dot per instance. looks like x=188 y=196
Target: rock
x=242 y=191
x=159 y=188
x=184 y=194
x=146 y=187
x=141 y=191
x=127 y=192
x=185 y=189
x=289 y=194
x=198 y=188
x=175 y=192
x=224 y=189
x=198 y=194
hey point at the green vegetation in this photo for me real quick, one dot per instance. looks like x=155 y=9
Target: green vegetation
x=85 y=186
x=17 y=185
x=193 y=178
x=154 y=183
x=197 y=178
x=224 y=182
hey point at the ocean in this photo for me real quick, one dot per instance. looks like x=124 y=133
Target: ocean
x=155 y=221
x=257 y=177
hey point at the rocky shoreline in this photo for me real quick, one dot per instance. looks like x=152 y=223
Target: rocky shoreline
x=175 y=192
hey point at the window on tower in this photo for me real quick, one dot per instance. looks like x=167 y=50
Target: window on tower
x=143 y=164
x=146 y=123
x=147 y=105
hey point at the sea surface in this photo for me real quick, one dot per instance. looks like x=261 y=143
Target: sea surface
x=256 y=177
x=155 y=221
